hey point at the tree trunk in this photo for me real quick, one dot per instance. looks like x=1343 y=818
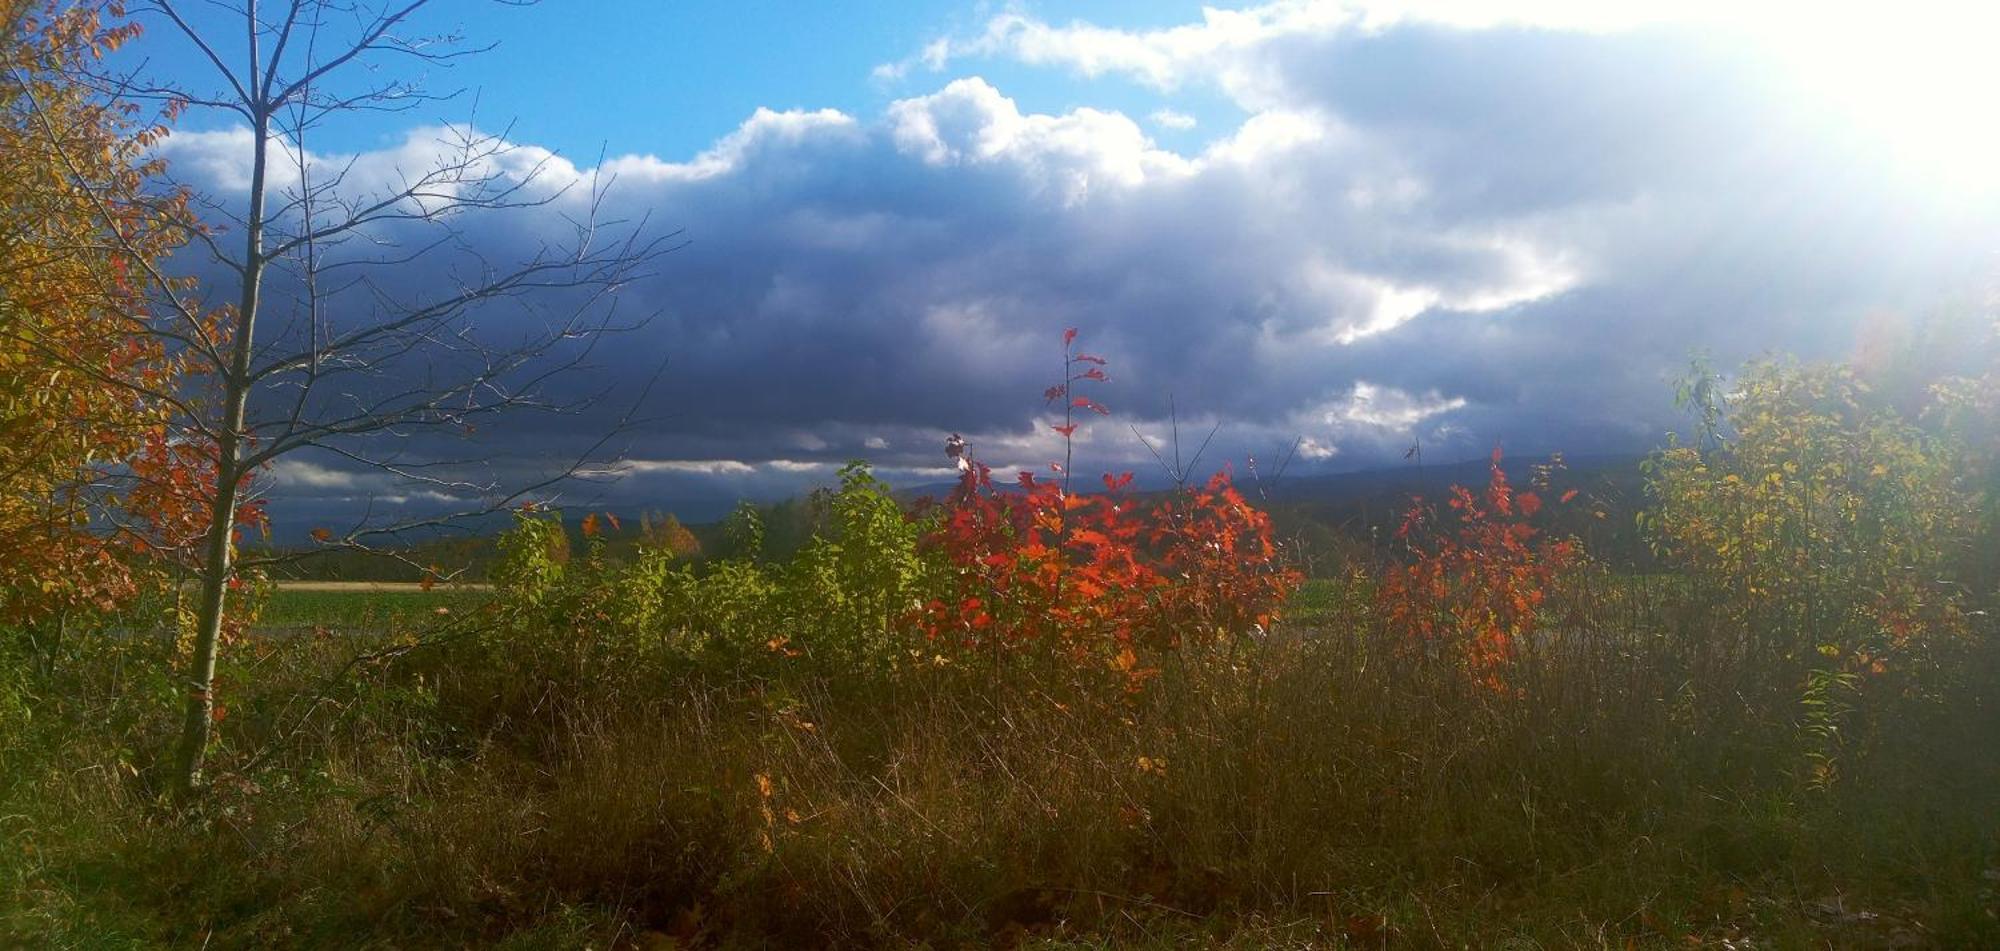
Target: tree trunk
x=218 y=560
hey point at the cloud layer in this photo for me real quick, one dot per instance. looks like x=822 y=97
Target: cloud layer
x=1416 y=228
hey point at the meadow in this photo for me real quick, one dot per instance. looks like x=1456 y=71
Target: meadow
x=364 y=608
x=1042 y=718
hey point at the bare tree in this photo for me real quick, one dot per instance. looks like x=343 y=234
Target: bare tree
x=313 y=337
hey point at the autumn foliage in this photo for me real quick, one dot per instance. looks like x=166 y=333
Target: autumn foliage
x=1842 y=530
x=1104 y=578
x=84 y=391
x=666 y=533
x=1478 y=575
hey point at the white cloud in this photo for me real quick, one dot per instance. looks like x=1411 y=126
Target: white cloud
x=1313 y=450
x=765 y=129
x=969 y=122
x=1915 y=76
x=296 y=473
x=1386 y=408
x=1162 y=58
x=1266 y=133
x=1363 y=305
x=1176 y=121
x=1224 y=45
x=1462 y=237
x=1372 y=421
x=690 y=466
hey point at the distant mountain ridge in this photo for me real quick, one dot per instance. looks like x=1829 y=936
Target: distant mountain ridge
x=1386 y=480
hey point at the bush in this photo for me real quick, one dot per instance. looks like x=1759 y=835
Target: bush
x=1832 y=532
x=1474 y=587
x=1108 y=581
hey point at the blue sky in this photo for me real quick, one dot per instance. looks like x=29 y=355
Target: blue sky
x=1357 y=223
x=670 y=78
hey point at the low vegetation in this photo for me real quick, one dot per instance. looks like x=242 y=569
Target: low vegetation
x=1035 y=715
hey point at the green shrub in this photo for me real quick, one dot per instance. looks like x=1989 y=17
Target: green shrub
x=1832 y=532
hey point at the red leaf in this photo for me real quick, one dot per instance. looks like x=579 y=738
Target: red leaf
x=1065 y=431
x=1069 y=336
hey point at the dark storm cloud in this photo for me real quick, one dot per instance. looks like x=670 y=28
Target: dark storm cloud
x=1424 y=232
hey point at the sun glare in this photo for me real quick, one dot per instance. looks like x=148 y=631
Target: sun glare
x=1919 y=80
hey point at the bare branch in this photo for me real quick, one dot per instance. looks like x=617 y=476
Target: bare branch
x=243 y=94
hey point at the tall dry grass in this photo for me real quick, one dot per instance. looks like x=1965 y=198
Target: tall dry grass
x=1325 y=785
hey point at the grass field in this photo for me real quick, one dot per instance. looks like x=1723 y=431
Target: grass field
x=965 y=737
x=365 y=606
